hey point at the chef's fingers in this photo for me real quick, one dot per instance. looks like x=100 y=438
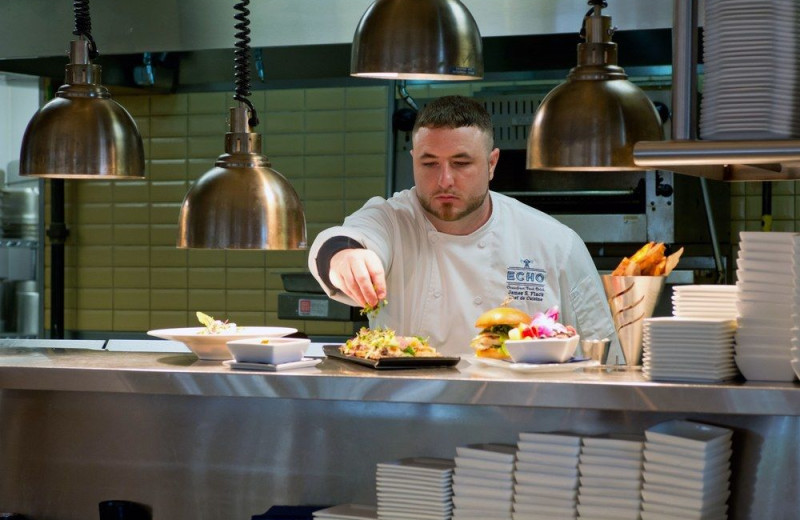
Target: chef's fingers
x=367 y=272
x=341 y=275
x=378 y=277
x=349 y=273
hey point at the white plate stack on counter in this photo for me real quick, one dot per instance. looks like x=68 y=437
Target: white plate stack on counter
x=415 y=488
x=689 y=349
x=610 y=478
x=347 y=512
x=546 y=476
x=705 y=301
x=750 y=89
x=483 y=482
x=686 y=471
x=768 y=282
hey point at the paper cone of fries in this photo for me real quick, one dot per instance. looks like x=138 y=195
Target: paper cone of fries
x=632 y=300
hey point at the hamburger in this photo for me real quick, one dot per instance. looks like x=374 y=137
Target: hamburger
x=495 y=324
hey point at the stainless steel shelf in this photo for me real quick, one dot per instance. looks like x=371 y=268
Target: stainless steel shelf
x=745 y=160
x=182 y=374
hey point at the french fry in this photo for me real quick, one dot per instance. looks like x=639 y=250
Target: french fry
x=660 y=268
x=642 y=252
x=649 y=260
x=633 y=269
x=620 y=270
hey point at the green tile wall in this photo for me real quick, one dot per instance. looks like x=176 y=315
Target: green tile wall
x=123 y=271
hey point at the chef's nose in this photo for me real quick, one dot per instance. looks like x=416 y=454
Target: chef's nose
x=446 y=176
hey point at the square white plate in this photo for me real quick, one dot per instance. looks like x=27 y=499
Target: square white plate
x=348 y=512
x=550 y=438
x=490 y=451
x=693 y=435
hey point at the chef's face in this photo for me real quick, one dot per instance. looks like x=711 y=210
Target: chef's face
x=452 y=170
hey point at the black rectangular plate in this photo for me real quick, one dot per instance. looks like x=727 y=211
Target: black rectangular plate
x=332 y=351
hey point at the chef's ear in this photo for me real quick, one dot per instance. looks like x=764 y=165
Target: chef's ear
x=494 y=156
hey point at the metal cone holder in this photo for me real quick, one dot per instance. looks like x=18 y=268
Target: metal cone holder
x=632 y=300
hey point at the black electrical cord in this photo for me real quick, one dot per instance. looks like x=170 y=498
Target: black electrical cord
x=242 y=59
x=83 y=25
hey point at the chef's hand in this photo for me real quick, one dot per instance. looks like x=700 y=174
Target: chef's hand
x=359 y=274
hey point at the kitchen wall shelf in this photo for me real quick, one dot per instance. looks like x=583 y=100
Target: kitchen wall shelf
x=748 y=160
x=745 y=160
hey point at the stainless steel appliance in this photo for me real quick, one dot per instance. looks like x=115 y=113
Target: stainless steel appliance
x=20 y=262
x=304 y=299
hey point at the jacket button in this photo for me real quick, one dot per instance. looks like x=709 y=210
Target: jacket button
x=478 y=300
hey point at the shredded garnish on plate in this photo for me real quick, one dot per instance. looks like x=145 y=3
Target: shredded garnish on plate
x=382 y=342
x=213 y=326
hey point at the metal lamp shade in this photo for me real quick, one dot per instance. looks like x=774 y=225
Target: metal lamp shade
x=417 y=39
x=242 y=204
x=80 y=137
x=592 y=121
x=592 y=125
x=82 y=133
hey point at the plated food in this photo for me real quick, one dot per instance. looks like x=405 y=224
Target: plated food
x=273 y=350
x=649 y=260
x=509 y=334
x=209 y=342
x=383 y=342
x=213 y=326
x=543 y=325
x=495 y=325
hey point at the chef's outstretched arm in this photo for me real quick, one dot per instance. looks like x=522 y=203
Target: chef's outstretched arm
x=343 y=264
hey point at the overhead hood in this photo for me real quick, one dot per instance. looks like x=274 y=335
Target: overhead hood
x=192 y=39
x=38 y=28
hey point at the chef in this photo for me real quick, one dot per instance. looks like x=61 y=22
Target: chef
x=448 y=249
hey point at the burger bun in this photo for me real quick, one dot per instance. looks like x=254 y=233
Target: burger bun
x=502 y=316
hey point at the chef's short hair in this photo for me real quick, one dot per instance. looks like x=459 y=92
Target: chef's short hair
x=455 y=112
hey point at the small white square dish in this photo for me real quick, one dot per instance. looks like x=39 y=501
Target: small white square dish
x=274 y=351
x=548 y=350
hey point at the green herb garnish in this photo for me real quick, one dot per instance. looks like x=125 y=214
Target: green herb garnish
x=372 y=311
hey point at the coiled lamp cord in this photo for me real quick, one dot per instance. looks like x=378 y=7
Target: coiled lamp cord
x=83 y=25
x=242 y=59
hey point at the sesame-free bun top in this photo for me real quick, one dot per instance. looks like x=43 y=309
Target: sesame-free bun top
x=502 y=316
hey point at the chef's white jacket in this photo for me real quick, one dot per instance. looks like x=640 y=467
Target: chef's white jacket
x=438 y=284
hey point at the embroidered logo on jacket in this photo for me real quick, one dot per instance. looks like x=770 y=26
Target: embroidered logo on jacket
x=526 y=283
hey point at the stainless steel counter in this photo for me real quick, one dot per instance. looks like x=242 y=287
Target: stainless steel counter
x=184 y=374
x=197 y=440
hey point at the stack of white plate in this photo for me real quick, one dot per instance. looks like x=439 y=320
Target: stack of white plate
x=686 y=471
x=482 y=482
x=704 y=301
x=795 y=351
x=347 y=512
x=546 y=476
x=419 y=487
x=688 y=349
x=610 y=478
x=750 y=89
x=768 y=279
